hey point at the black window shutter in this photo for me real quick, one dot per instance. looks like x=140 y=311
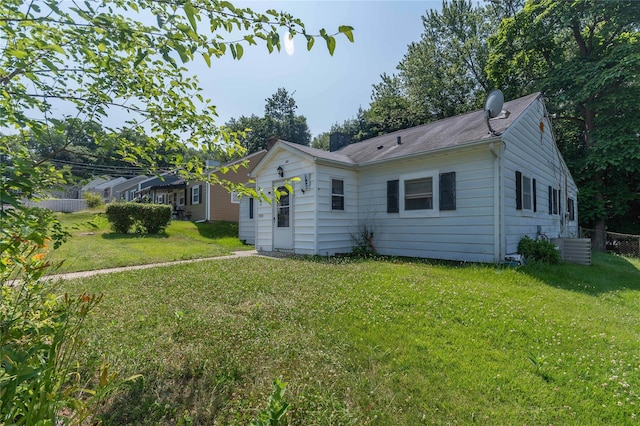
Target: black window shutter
x=200 y=194
x=189 y=191
x=518 y=190
x=550 y=200
x=535 y=197
x=448 y=191
x=393 y=194
x=251 y=208
x=559 y=201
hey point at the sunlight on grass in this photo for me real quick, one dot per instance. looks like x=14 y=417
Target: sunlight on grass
x=94 y=246
x=372 y=342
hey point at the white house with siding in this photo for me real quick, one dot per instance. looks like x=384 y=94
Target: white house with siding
x=450 y=189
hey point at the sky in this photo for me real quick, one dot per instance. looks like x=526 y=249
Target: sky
x=327 y=89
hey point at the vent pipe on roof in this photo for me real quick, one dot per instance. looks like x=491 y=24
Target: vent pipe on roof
x=399 y=140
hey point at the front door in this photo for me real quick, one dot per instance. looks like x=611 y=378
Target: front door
x=283 y=221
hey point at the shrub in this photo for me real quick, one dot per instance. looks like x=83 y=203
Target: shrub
x=363 y=242
x=93 y=200
x=121 y=216
x=152 y=218
x=539 y=250
x=145 y=218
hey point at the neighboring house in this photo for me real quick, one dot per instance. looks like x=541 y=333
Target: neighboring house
x=105 y=189
x=126 y=191
x=213 y=203
x=448 y=190
x=91 y=185
x=167 y=188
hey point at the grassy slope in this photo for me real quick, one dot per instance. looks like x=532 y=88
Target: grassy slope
x=373 y=342
x=94 y=246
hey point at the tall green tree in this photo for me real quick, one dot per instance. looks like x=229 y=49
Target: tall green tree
x=391 y=109
x=441 y=75
x=585 y=56
x=280 y=115
x=279 y=120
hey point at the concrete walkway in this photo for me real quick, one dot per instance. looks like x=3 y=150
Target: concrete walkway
x=83 y=274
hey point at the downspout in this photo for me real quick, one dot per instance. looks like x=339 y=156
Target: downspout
x=208 y=202
x=498 y=231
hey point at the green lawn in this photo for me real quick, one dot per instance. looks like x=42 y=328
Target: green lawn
x=94 y=246
x=385 y=342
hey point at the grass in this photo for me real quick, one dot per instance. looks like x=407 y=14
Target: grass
x=371 y=342
x=94 y=246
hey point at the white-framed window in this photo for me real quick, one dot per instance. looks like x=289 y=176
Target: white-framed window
x=195 y=194
x=160 y=199
x=235 y=199
x=181 y=198
x=422 y=194
x=417 y=195
x=525 y=192
x=337 y=194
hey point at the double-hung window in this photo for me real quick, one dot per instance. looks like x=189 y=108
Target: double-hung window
x=422 y=194
x=418 y=194
x=525 y=192
x=195 y=194
x=554 y=201
x=337 y=194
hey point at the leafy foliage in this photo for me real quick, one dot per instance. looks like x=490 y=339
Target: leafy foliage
x=41 y=380
x=364 y=242
x=144 y=218
x=279 y=121
x=584 y=55
x=539 y=250
x=441 y=75
x=93 y=200
x=276 y=411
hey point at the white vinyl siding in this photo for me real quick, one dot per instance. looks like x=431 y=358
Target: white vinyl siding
x=534 y=154
x=336 y=228
x=464 y=233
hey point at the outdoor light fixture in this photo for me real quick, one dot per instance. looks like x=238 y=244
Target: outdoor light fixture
x=280 y=171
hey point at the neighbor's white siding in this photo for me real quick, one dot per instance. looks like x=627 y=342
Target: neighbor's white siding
x=533 y=152
x=466 y=233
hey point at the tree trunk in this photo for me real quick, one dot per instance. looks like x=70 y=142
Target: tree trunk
x=599 y=236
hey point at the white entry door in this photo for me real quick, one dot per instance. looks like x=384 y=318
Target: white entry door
x=283 y=221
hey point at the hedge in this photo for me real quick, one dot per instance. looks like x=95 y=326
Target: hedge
x=143 y=218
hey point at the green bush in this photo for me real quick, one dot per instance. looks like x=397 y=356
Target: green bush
x=93 y=200
x=144 y=218
x=539 y=250
x=152 y=218
x=121 y=216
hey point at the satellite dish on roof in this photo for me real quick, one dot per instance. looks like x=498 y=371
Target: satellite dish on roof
x=493 y=107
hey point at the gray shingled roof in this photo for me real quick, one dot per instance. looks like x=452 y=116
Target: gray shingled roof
x=447 y=133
